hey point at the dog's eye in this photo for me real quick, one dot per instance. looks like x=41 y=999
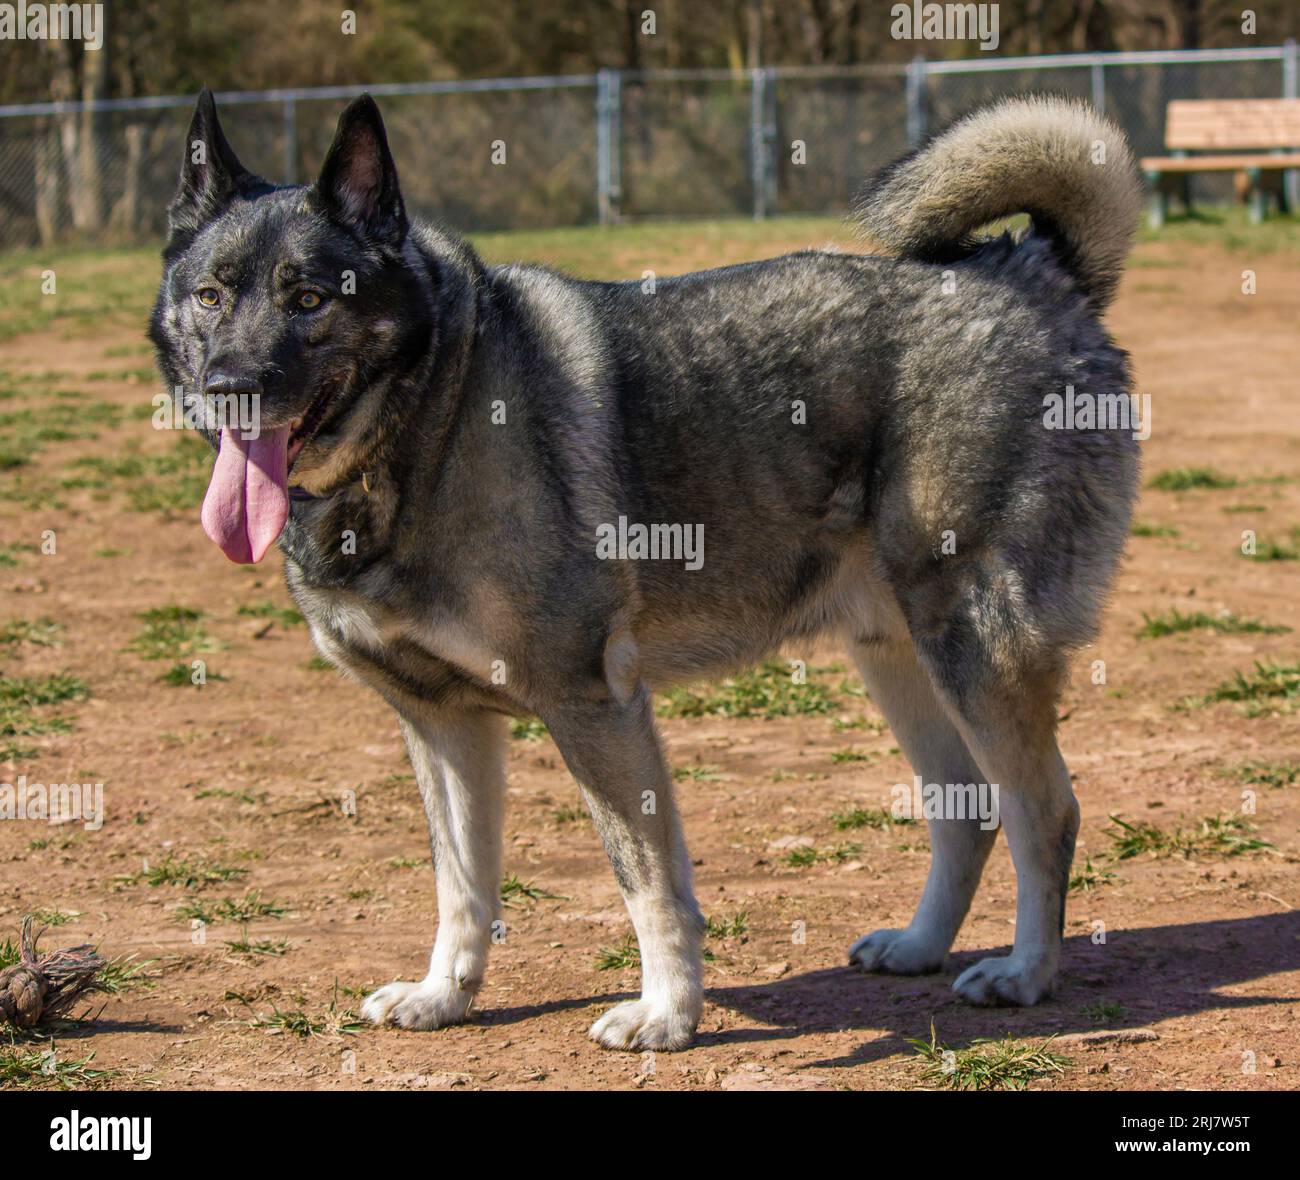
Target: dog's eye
x=208 y=296
x=309 y=301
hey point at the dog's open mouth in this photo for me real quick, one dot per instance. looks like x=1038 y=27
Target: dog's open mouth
x=248 y=497
x=303 y=428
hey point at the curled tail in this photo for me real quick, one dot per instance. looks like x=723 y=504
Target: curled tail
x=1059 y=161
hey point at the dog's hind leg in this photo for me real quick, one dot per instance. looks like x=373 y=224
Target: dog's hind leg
x=459 y=766
x=1007 y=717
x=959 y=846
x=613 y=751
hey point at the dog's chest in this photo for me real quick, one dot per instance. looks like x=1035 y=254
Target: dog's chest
x=427 y=654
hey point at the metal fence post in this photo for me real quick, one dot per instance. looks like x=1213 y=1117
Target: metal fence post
x=616 y=144
x=602 y=147
x=769 y=136
x=1291 y=178
x=1099 y=84
x=609 y=153
x=757 y=142
x=290 y=141
x=915 y=101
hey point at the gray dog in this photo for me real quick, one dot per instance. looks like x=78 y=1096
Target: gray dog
x=501 y=491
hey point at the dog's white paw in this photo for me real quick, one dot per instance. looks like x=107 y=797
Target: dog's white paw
x=897 y=952
x=419 y=1006
x=642 y=1024
x=1004 y=981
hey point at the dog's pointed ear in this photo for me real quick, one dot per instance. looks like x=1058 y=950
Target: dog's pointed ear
x=211 y=174
x=358 y=181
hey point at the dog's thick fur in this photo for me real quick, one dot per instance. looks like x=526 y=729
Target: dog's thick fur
x=861 y=438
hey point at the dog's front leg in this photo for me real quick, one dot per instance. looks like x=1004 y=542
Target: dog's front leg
x=614 y=753
x=459 y=765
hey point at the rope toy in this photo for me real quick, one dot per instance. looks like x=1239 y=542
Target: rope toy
x=39 y=987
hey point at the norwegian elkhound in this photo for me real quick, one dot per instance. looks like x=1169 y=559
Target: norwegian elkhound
x=502 y=491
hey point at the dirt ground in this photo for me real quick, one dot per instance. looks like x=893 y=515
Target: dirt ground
x=1193 y=986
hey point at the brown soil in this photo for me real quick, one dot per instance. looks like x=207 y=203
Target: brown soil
x=1203 y=951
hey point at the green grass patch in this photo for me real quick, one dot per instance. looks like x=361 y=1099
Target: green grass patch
x=516 y=893
x=189 y=872
x=987 y=1064
x=737 y=926
x=1226 y=228
x=333 y=1022
x=1091 y=877
x=42 y=632
x=1269 y=774
x=170 y=482
x=42 y=1069
x=696 y=772
x=860 y=722
x=527 y=729
x=1141 y=529
x=868 y=817
x=182 y=676
x=25 y=432
x=802 y=858
x=1267 y=550
x=1267 y=688
x=124 y=973
x=50 y=916
x=25 y=703
x=251 y=948
x=286 y=616
x=97 y=289
x=1185 y=479
x=621 y=956
x=768 y=691
x=172 y=631
x=1173 y=622
x=9 y=552
x=1104 y=1013
x=1215 y=836
x=405 y=862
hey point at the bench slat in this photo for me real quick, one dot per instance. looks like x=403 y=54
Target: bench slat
x=1233 y=123
x=1217 y=163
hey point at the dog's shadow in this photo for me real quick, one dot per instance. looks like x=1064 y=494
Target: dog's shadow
x=1133 y=979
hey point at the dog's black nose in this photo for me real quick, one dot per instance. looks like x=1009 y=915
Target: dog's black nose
x=227 y=381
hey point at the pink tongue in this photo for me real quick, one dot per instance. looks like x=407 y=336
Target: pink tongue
x=248 y=499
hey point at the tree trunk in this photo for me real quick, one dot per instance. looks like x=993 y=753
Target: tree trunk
x=49 y=187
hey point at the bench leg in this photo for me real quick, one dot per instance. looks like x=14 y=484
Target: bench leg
x=1258 y=199
x=1157 y=201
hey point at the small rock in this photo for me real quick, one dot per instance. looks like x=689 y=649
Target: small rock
x=790 y=842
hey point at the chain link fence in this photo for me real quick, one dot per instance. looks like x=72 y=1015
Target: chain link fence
x=557 y=151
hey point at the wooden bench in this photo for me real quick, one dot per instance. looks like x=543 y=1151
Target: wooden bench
x=1262 y=135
